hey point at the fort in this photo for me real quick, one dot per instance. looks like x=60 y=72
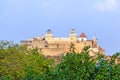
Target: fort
x=52 y=46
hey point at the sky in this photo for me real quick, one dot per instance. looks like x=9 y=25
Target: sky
x=23 y=19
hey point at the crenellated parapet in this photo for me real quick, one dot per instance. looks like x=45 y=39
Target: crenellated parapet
x=50 y=45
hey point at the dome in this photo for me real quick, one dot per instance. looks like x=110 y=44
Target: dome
x=49 y=31
x=72 y=31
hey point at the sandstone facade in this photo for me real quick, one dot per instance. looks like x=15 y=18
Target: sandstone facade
x=53 y=46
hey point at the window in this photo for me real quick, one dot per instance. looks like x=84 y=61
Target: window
x=82 y=39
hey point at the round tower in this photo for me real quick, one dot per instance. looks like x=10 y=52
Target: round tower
x=72 y=35
x=49 y=35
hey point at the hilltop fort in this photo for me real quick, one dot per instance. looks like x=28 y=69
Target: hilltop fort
x=53 y=46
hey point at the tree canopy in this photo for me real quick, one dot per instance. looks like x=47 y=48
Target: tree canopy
x=18 y=63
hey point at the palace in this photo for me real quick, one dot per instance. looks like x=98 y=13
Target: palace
x=52 y=46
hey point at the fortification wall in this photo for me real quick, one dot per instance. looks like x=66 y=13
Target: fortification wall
x=60 y=39
x=52 y=51
x=80 y=45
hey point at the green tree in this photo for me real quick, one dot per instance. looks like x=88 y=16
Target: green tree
x=37 y=65
x=75 y=66
x=17 y=63
x=115 y=66
x=72 y=48
x=12 y=60
x=102 y=70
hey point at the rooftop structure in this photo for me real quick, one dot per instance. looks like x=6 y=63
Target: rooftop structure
x=53 y=46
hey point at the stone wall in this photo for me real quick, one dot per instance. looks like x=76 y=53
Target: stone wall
x=52 y=51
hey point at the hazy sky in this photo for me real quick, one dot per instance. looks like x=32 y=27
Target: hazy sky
x=23 y=19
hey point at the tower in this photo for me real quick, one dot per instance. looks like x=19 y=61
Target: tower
x=82 y=37
x=94 y=42
x=72 y=35
x=49 y=35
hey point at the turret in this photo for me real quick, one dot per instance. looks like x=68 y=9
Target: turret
x=49 y=35
x=82 y=37
x=95 y=42
x=72 y=35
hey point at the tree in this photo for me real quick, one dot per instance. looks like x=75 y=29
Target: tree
x=107 y=70
x=37 y=65
x=75 y=66
x=17 y=63
x=12 y=59
x=72 y=48
x=115 y=66
x=102 y=70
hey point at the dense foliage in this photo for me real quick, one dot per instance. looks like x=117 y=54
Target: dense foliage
x=18 y=63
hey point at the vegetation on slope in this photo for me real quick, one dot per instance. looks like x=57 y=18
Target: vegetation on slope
x=17 y=63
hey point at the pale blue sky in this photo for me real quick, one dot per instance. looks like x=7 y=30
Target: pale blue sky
x=23 y=19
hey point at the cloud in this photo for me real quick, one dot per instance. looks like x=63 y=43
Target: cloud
x=106 y=5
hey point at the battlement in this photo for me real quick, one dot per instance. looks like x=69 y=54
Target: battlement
x=50 y=45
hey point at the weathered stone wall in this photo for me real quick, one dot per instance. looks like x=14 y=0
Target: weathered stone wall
x=49 y=45
x=52 y=51
x=80 y=45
